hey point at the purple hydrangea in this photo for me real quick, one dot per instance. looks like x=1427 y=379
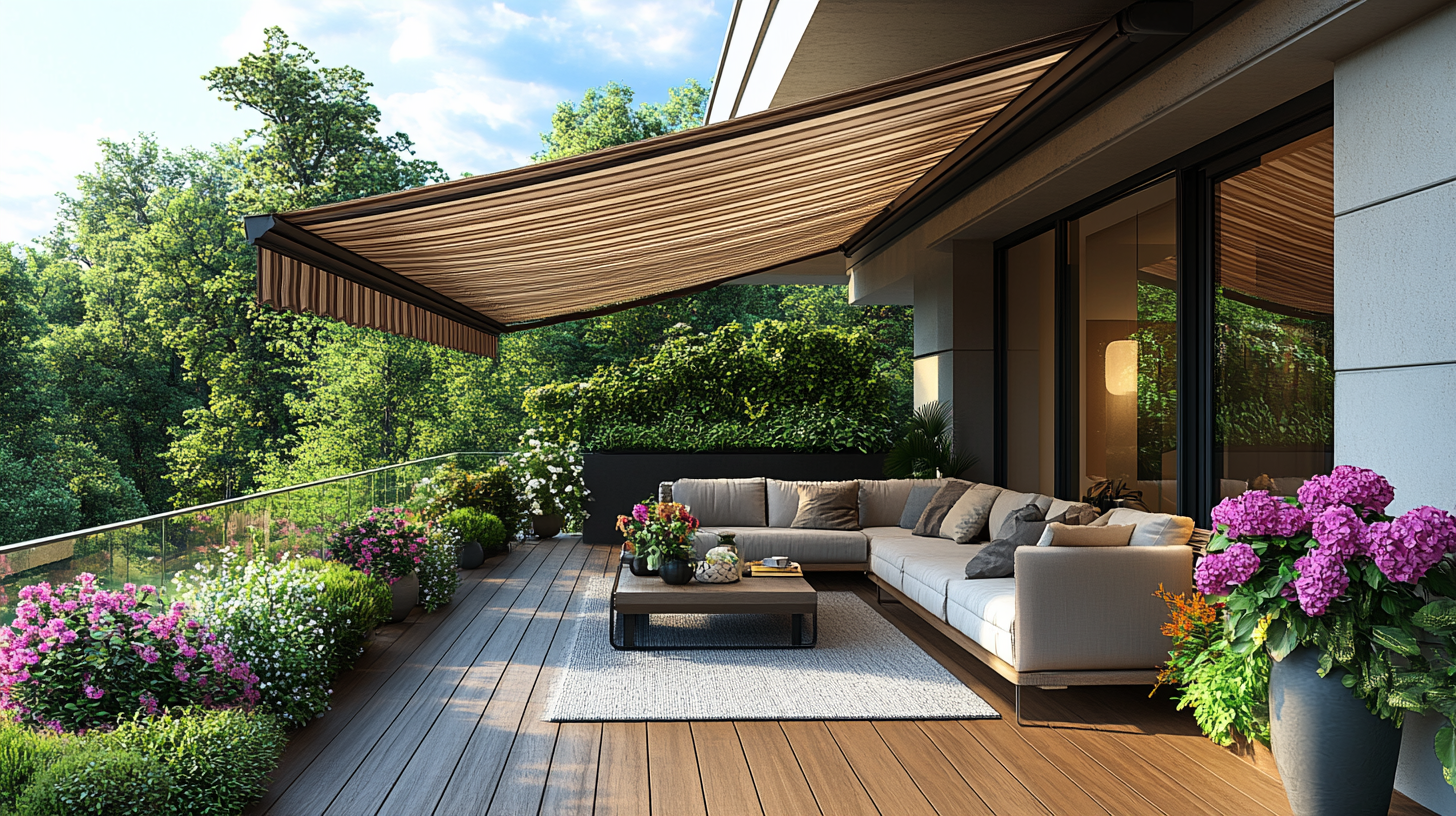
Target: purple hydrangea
x=1221 y=572
x=1406 y=548
x=1322 y=579
x=1341 y=529
x=1360 y=487
x=1256 y=513
x=639 y=512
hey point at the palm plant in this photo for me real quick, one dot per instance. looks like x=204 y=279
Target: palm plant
x=927 y=448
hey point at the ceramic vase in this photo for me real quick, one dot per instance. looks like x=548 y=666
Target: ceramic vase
x=469 y=555
x=547 y=526
x=1335 y=757
x=677 y=571
x=639 y=566
x=405 y=594
x=720 y=565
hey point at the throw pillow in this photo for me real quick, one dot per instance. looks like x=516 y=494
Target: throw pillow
x=920 y=496
x=1063 y=535
x=967 y=517
x=998 y=559
x=940 y=504
x=831 y=506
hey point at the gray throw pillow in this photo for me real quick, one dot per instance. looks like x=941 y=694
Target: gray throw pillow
x=828 y=506
x=944 y=499
x=920 y=495
x=1022 y=528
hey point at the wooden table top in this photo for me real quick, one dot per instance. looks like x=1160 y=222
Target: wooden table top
x=636 y=595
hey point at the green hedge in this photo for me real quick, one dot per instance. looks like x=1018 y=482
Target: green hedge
x=783 y=386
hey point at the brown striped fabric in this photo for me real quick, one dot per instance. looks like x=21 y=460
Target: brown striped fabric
x=657 y=218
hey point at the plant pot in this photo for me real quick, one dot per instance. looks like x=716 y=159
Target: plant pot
x=406 y=595
x=677 y=571
x=639 y=566
x=547 y=526
x=1335 y=757
x=469 y=555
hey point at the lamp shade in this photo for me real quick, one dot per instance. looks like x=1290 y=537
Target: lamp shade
x=1122 y=366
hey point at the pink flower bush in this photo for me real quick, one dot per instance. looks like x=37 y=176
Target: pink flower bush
x=1322 y=579
x=1222 y=571
x=1341 y=530
x=78 y=656
x=385 y=544
x=1406 y=548
x=1256 y=513
x=1359 y=487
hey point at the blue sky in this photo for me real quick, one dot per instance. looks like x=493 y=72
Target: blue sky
x=473 y=83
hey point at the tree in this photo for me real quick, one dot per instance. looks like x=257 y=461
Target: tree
x=606 y=118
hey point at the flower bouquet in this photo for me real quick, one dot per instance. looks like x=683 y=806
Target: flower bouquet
x=659 y=532
x=385 y=543
x=1332 y=571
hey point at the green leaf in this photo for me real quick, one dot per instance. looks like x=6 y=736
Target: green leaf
x=1281 y=639
x=1396 y=640
x=1446 y=748
x=1438 y=616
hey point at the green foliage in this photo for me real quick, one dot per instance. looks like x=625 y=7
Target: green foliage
x=94 y=780
x=353 y=605
x=606 y=118
x=474 y=524
x=549 y=478
x=785 y=386
x=438 y=571
x=926 y=449
x=23 y=754
x=1227 y=690
x=218 y=761
x=493 y=490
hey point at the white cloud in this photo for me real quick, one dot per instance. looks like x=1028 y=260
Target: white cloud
x=651 y=32
x=449 y=121
x=35 y=163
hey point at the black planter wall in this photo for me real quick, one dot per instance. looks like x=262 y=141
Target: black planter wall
x=619 y=480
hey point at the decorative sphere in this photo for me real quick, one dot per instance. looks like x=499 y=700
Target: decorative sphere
x=721 y=565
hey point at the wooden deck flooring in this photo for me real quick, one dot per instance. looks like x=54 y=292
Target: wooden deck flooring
x=442 y=715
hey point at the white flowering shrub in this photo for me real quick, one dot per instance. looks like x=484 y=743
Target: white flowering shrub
x=438 y=571
x=550 y=478
x=294 y=620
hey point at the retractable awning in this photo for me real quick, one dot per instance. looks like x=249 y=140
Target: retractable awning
x=461 y=262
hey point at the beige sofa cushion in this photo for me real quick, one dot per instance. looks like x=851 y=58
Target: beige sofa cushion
x=1152 y=529
x=993 y=600
x=783 y=499
x=803 y=546
x=1008 y=502
x=723 y=502
x=828 y=507
x=882 y=501
x=967 y=518
x=1091 y=535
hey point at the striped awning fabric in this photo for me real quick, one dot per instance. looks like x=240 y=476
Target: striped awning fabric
x=458 y=263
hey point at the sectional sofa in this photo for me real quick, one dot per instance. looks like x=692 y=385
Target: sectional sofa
x=1068 y=615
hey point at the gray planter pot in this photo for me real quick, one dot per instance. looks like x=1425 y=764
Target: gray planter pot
x=1335 y=757
x=406 y=595
x=547 y=526
x=470 y=555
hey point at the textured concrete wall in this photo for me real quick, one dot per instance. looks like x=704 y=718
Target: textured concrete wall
x=1395 y=290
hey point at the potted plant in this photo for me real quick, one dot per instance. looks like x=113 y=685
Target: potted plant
x=661 y=537
x=387 y=544
x=551 y=486
x=926 y=449
x=474 y=533
x=1340 y=596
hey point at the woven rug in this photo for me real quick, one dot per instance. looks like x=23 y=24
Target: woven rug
x=863 y=668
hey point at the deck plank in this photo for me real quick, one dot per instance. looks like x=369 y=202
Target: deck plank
x=930 y=770
x=1056 y=791
x=675 y=786
x=887 y=783
x=727 y=784
x=987 y=777
x=523 y=780
x=833 y=782
x=622 y=771
x=782 y=788
x=571 y=780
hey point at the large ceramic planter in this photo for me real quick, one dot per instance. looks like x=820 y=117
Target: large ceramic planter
x=469 y=555
x=676 y=571
x=547 y=526
x=406 y=595
x=1335 y=757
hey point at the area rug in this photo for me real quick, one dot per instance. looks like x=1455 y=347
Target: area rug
x=863 y=668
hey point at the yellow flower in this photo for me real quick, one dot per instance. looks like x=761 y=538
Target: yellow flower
x=1261 y=630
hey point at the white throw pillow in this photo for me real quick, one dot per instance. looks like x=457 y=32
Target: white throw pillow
x=967 y=517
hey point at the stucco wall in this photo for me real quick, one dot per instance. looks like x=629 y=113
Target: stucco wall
x=1395 y=290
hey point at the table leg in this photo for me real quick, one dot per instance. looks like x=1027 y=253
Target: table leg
x=797 y=638
x=629 y=631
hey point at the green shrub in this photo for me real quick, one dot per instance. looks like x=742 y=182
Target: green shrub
x=217 y=761
x=94 y=779
x=473 y=524
x=354 y=605
x=495 y=490
x=23 y=754
x=783 y=386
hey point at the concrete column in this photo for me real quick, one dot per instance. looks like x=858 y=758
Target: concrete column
x=953 y=344
x=1395 y=285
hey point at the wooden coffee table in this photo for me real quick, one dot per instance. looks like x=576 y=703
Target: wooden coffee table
x=634 y=598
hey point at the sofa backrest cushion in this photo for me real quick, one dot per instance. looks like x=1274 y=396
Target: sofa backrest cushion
x=920 y=496
x=1008 y=502
x=1087 y=535
x=723 y=502
x=1152 y=529
x=832 y=506
x=967 y=518
x=783 y=499
x=882 y=501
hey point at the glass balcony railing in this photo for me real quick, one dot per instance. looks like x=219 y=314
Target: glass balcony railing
x=151 y=550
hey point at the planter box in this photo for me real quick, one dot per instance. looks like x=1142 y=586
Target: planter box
x=619 y=480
